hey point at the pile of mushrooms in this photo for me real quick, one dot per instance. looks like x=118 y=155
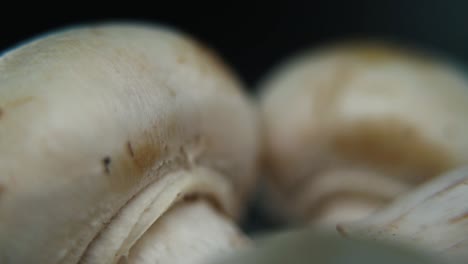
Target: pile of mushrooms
x=133 y=143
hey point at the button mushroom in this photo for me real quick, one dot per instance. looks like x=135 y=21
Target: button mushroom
x=303 y=247
x=433 y=217
x=350 y=127
x=121 y=142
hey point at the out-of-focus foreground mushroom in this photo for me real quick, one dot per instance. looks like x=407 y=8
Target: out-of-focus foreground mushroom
x=304 y=247
x=351 y=127
x=121 y=143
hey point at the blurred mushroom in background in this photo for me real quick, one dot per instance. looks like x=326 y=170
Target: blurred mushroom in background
x=350 y=127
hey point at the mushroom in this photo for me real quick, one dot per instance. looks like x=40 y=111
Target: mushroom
x=433 y=217
x=352 y=126
x=121 y=143
x=309 y=246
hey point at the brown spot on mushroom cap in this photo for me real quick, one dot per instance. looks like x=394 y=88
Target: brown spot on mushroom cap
x=375 y=52
x=130 y=149
x=395 y=223
x=145 y=155
x=181 y=59
x=130 y=164
x=15 y=103
x=341 y=230
x=106 y=162
x=392 y=145
x=459 y=218
x=172 y=93
x=19 y=101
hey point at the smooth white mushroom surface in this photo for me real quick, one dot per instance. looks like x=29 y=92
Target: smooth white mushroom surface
x=352 y=126
x=304 y=246
x=188 y=233
x=103 y=128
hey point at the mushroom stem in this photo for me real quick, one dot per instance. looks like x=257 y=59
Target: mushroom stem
x=192 y=231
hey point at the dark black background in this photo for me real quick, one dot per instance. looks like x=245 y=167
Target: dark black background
x=253 y=36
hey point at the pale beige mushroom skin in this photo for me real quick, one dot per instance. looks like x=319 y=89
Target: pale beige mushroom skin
x=350 y=127
x=172 y=240
x=103 y=129
x=305 y=245
x=433 y=217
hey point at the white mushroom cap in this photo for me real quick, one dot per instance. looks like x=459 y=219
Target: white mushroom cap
x=103 y=128
x=359 y=122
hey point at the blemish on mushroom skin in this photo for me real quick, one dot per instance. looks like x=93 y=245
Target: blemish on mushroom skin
x=172 y=93
x=392 y=145
x=130 y=149
x=131 y=164
x=341 y=231
x=145 y=155
x=394 y=224
x=448 y=188
x=181 y=59
x=19 y=102
x=459 y=218
x=138 y=60
x=380 y=53
x=15 y=103
x=377 y=54
x=2 y=189
x=136 y=159
x=106 y=162
x=143 y=63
